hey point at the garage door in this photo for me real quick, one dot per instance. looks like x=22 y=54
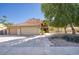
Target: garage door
x=13 y=31
x=30 y=30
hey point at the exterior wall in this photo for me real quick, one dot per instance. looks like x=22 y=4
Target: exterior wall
x=24 y=30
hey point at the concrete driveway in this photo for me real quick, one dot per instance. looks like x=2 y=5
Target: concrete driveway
x=24 y=41
x=33 y=45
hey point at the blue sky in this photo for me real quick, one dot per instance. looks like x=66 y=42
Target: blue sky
x=17 y=13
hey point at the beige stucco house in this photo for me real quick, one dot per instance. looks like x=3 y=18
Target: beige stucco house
x=3 y=29
x=29 y=27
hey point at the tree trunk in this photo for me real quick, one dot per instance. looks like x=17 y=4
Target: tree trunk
x=73 y=30
x=58 y=30
x=65 y=29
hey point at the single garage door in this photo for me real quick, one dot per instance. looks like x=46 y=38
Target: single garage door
x=30 y=30
x=13 y=31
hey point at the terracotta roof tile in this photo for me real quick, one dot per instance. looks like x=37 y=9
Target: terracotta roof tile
x=31 y=22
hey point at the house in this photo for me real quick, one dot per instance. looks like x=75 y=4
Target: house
x=29 y=27
x=3 y=29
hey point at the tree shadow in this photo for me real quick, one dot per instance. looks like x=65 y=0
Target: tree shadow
x=64 y=39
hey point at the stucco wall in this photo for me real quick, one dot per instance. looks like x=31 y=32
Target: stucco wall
x=24 y=30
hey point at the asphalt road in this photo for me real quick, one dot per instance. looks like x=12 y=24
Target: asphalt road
x=35 y=45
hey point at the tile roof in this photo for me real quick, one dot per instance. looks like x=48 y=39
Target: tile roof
x=31 y=22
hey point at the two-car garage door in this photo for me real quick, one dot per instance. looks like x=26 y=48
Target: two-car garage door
x=30 y=30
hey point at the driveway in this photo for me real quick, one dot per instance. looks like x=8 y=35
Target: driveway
x=24 y=41
x=32 y=45
x=23 y=44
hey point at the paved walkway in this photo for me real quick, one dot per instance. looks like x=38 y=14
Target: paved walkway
x=36 y=45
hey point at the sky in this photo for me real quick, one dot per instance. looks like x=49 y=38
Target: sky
x=17 y=13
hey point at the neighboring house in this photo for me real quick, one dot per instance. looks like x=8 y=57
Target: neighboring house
x=30 y=27
x=3 y=29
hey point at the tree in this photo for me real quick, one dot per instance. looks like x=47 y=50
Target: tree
x=4 y=21
x=64 y=14
x=44 y=26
